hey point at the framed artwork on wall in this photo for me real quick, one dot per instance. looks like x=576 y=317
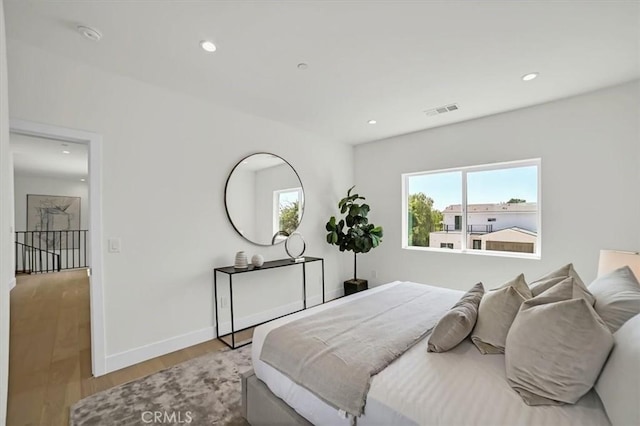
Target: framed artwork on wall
x=49 y=213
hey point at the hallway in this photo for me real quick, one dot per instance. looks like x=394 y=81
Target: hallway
x=50 y=350
x=50 y=347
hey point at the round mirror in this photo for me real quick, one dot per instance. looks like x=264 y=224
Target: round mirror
x=264 y=198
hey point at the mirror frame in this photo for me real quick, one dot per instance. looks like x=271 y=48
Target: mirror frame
x=226 y=207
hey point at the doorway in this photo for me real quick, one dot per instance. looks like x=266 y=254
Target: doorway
x=92 y=144
x=51 y=204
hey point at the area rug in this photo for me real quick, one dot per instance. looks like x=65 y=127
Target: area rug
x=202 y=391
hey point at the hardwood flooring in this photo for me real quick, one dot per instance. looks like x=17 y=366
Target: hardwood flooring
x=50 y=350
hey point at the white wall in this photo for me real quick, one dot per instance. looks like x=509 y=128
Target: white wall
x=6 y=219
x=166 y=157
x=25 y=184
x=437 y=238
x=590 y=179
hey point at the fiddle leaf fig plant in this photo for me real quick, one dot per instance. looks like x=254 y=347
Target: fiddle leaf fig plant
x=353 y=232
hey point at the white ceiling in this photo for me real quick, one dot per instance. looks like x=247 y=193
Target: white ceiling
x=35 y=156
x=383 y=60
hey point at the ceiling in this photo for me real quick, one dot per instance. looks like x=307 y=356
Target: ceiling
x=35 y=156
x=383 y=60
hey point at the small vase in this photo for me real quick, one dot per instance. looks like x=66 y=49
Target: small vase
x=257 y=260
x=241 y=261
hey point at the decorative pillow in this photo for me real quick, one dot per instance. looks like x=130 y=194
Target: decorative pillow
x=496 y=312
x=617 y=297
x=520 y=284
x=545 y=283
x=619 y=385
x=556 y=347
x=568 y=288
x=457 y=323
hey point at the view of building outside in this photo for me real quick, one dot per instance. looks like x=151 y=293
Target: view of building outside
x=502 y=210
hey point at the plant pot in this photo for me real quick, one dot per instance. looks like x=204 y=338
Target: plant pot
x=354 y=286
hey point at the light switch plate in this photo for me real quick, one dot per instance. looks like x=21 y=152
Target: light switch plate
x=114 y=245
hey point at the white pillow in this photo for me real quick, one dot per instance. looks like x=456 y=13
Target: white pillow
x=619 y=383
x=617 y=297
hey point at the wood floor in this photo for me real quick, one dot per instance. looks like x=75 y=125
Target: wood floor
x=50 y=350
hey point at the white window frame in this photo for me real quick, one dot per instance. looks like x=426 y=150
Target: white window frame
x=463 y=232
x=276 y=207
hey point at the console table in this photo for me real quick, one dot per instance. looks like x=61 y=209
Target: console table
x=231 y=271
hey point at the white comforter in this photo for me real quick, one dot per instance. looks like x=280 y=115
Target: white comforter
x=459 y=387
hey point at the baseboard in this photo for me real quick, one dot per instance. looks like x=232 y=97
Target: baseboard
x=338 y=292
x=328 y=296
x=12 y=283
x=134 y=356
x=152 y=350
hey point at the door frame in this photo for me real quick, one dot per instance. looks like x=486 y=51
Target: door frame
x=96 y=289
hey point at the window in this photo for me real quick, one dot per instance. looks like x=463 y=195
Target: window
x=427 y=198
x=286 y=211
x=488 y=209
x=458 y=223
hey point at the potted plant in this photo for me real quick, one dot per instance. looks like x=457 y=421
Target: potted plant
x=353 y=233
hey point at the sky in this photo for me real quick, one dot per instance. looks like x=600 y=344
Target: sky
x=286 y=198
x=491 y=186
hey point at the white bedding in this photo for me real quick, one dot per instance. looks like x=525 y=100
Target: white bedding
x=460 y=387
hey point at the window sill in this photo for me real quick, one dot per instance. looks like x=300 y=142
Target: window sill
x=531 y=256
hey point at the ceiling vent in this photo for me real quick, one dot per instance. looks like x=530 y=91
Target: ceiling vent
x=442 y=109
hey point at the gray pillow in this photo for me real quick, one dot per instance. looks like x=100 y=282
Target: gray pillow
x=617 y=297
x=496 y=312
x=520 y=284
x=457 y=323
x=619 y=383
x=546 y=282
x=541 y=285
x=568 y=288
x=556 y=347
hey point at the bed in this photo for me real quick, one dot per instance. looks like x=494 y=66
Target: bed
x=459 y=387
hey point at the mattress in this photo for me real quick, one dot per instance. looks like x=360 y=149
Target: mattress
x=459 y=387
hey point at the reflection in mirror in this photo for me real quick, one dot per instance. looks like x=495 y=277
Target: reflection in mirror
x=264 y=199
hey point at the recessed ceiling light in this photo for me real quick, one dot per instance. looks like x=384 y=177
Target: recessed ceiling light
x=530 y=76
x=90 y=33
x=82 y=180
x=208 y=46
x=372 y=121
x=303 y=66
x=66 y=152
